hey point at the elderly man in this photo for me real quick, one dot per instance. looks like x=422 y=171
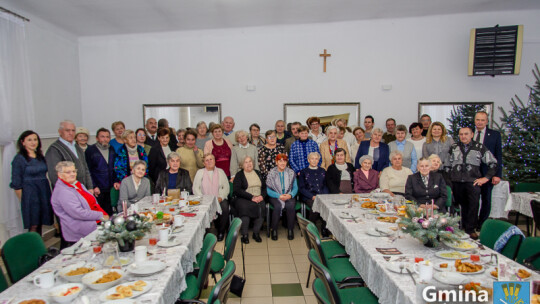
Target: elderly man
x=390 y=134
x=100 y=159
x=425 y=120
x=151 y=130
x=173 y=142
x=228 y=132
x=294 y=130
x=466 y=158
x=491 y=139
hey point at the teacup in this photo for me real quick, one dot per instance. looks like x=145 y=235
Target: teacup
x=163 y=234
x=45 y=279
x=178 y=220
x=140 y=254
x=424 y=269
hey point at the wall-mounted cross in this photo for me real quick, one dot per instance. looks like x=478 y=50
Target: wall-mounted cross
x=324 y=55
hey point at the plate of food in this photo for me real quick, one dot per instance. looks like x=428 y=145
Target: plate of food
x=368 y=205
x=127 y=290
x=451 y=278
x=494 y=273
x=122 y=301
x=452 y=255
x=66 y=293
x=74 y=272
x=461 y=245
x=124 y=260
x=146 y=268
x=477 y=287
x=103 y=279
x=78 y=248
x=468 y=268
x=443 y=266
x=387 y=219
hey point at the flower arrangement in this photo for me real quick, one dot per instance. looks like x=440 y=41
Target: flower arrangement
x=124 y=229
x=430 y=229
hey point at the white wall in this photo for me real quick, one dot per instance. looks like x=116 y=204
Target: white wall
x=424 y=59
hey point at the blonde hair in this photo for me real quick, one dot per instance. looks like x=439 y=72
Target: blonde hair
x=429 y=137
x=127 y=133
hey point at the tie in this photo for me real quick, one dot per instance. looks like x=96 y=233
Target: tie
x=425 y=180
x=477 y=139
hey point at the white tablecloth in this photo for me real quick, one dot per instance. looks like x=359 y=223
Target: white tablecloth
x=388 y=286
x=521 y=202
x=167 y=285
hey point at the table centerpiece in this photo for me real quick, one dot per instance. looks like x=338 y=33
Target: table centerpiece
x=124 y=229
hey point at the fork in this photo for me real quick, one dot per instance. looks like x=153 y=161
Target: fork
x=401 y=267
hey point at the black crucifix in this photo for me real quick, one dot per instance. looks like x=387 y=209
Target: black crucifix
x=324 y=55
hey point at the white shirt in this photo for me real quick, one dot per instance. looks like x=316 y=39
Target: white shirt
x=71 y=146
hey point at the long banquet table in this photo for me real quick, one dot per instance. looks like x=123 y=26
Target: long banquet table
x=389 y=287
x=167 y=284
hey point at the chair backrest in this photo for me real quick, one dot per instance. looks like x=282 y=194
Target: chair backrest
x=206 y=255
x=448 y=197
x=527 y=187
x=490 y=233
x=232 y=238
x=3 y=282
x=315 y=241
x=325 y=276
x=319 y=290
x=21 y=254
x=303 y=222
x=220 y=292
x=535 y=207
x=528 y=248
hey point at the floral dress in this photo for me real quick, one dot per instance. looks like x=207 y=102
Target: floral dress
x=267 y=159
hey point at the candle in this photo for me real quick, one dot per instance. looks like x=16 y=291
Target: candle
x=124 y=208
x=432 y=207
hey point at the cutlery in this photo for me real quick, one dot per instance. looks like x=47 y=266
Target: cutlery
x=410 y=273
x=78 y=247
x=401 y=267
x=382 y=233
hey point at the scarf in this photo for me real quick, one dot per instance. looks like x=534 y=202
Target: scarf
x=90 y=199
x=131 y=150
x=281 y=182
x=210 y=187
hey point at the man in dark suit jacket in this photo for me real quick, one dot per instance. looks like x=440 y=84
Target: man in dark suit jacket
x=100 y=159
x=416 y=190
x=492 y=140
x=151 y=130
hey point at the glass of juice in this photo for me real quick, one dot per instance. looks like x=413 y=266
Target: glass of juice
x=475 y=258
x=418 y=259
x=152 y=241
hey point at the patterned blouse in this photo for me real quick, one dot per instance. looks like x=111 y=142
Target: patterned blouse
x=267 y=159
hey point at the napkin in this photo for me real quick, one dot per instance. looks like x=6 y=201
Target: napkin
x=188 y=214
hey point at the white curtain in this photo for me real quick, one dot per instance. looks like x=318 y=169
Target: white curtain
x=16 y=114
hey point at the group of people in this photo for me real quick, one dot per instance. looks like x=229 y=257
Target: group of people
x=285 y=164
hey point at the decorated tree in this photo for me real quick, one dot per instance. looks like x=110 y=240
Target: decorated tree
x=520 y=129
x=463 y=116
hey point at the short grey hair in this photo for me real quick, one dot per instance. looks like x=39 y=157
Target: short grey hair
x=65 y=122
x=243 y=160
x=331 y=128
x=139 y=162
x=127 y=133
x=239 y=133
x=395 y=153
x=424 y=159
x=313 y=154
x=377 y=130
x=63 y=164
x=200 y=123
x=363 y=158
x=173 y=155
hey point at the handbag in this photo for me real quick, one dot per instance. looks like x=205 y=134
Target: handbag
x=238 y=282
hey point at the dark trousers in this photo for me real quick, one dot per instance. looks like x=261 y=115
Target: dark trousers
x=485 y=208
x=257 y=224
x=289 y=208
x=223 y=219
x=468 y=196
x=104 y=200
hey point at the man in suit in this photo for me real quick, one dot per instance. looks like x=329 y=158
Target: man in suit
x=492 y=140
x=100 y=159
x=151 y=129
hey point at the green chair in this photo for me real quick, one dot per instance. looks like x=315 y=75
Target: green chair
x=218 y=259
x=490 y=233
x=196 y=281
x=3 y=282
x=330 y=247
x=526 y=187
x=220 y=292
x=270 y=207
x=342 y=269
x=448 y=198
x=529 y=247
x=327 y=291
x=21 y=254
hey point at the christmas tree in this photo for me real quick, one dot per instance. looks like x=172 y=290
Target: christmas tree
x=463 y=116
x=520 y=131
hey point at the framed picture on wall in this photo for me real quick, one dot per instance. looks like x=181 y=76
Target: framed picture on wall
x=327 y=112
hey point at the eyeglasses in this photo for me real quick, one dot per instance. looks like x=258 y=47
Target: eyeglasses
x=141 y=135
x=314 y=123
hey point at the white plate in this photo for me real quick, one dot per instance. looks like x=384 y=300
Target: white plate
x=90 y=278
x=56 y=292
x=451 y=278
x=122 y=301
x=454 y=246
x=462 y=257
x=450 y=267
x=146 y=268
x=75 y=249
x=76 y=278
x=394 y=267
x=340 y=202
x=32 y=298
x=380 y=195
x=30 y=278
x=103 y=296
x=175 y=242
x=124 y=260
x=373 y=232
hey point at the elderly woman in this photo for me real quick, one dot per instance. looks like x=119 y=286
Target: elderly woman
x=406 y=147
x=174 y=177
x=76 y=208
x=366 y=179
x=282 y=188
x=437 y=142
x=140 y=135
x=191 y=155
x=268 y=152
x=374 y=148
x=29 y=180
x=328 y=147
x=134 y=187
x=81 y=137
x=221 y=148
x=340 y=175
x=157 y=159
x=249 y=191
x=181 y=137
x=437 y=166
x=118 y=128
x=358 y=133
x=255 y=137
x=211 y=180
x=202 y=135
x=240 y=151
x=394 y=178
x=426 y=186
x=315 y=130
x=126 y=157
